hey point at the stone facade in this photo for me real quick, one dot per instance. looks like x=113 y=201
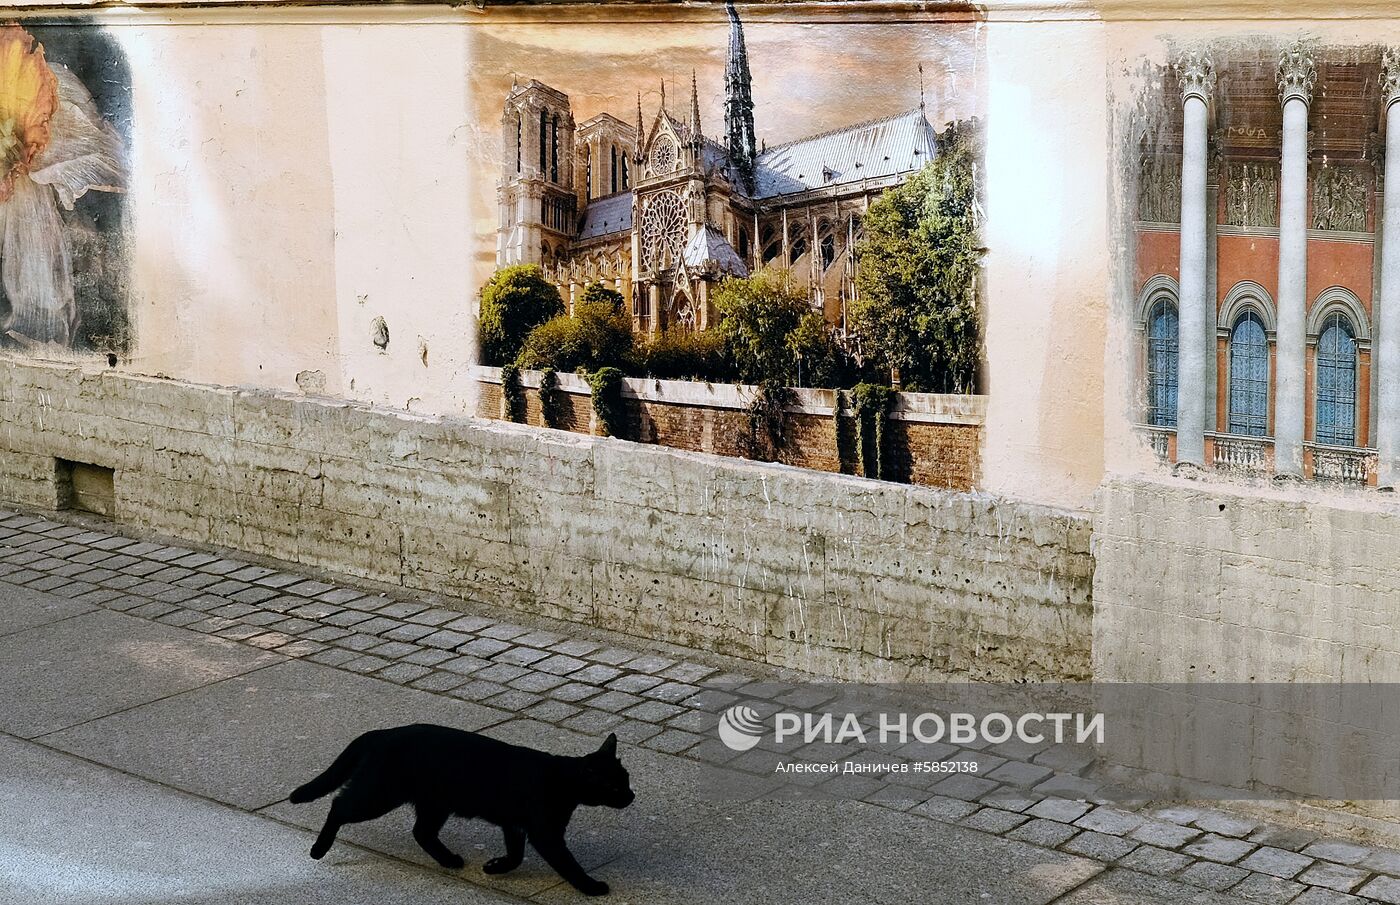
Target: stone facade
x=826 y=573
x=933 y=439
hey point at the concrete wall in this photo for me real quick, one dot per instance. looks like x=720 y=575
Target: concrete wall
x=1217 y=582
x=827 y=573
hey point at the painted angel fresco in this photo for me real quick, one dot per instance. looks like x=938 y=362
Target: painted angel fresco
x=55 y=147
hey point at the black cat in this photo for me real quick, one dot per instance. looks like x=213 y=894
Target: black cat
x=529 y=794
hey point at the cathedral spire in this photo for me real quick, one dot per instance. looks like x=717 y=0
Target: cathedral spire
x=738 y=100
x=641 y=136
x=663 y=92
x=694 y=107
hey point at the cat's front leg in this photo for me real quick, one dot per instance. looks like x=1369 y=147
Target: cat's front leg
x=552 y=848
x=515 y=852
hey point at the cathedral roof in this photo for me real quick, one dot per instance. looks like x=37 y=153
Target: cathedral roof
x=872 y=150
x=709 y=246
x=607 y=215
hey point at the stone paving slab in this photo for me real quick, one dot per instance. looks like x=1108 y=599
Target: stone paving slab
x=25 y=608
x=252 y=739
x=774 y=851
x=1123 y=887
x=550 y=685
x=99 y=663
x=75 y=833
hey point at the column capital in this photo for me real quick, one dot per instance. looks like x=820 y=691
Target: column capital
x=1297 y=74
x=1390 y=76
x=1195 y=70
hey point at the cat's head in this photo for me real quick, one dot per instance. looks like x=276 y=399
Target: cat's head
x=605 y=780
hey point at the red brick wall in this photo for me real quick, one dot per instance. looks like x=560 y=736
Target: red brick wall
x=934 y=455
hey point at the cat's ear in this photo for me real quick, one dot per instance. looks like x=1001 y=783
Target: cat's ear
x=609 y=748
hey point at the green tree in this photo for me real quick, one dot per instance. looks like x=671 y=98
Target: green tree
x=597 y=292
x=819 y=361
x=917 y=270
x=514 y=301
x=756 y=316
x=598 y=334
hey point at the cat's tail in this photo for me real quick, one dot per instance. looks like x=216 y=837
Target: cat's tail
x=334 y=776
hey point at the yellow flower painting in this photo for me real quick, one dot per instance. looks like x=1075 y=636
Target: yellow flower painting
x=55 y=147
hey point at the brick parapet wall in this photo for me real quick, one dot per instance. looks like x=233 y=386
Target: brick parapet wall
x=827 y=573
x=933 y=440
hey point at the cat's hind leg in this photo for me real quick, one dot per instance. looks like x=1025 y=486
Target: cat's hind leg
x=426 y=829
x=515 y=852
x=352 y=805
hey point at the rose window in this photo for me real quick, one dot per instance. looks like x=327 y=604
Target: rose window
x=663 y=229
x=663 y=155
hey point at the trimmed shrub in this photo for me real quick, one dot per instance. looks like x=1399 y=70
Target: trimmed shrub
x=684 y=355
x=597 y=335
x=514 y=301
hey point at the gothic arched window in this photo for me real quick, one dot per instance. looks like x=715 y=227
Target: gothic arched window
x=587 y=171
x=797 y=242
x=1249 y=377
x=554 y=148
x=826 y=242
x=1162 y=345
x=1336 y=382
x=544 y=141
x=769 y=243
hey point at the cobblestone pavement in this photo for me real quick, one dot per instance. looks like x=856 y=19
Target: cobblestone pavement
x=514 y=675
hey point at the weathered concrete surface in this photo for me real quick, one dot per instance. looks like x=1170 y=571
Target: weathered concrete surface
x=76 y=832
x=56 y=675
x=1209 y=581
x=1217 y=582
x=827 y=573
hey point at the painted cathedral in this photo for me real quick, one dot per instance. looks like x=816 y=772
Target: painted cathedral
x=663 y=213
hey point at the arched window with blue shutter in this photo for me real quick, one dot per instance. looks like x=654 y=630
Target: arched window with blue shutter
x=1162 y=346
x=1336 y=382
x=1249 y=377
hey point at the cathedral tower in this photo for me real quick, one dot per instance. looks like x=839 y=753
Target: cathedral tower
x=738 y=100
x=536 y=193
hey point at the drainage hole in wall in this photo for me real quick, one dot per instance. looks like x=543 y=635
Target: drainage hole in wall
x=86 y=488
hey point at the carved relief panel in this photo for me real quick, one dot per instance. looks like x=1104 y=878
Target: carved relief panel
x=1251 y=194
x=1159 y=192
x=1339 y=199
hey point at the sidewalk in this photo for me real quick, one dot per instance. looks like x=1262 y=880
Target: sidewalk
x=162 y=701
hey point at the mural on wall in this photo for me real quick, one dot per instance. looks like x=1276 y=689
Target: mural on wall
x=64 y=102
x=1252 y=287
x=663 y=158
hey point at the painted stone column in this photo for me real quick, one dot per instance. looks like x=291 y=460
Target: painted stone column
x=1197 y=76
x=1386 y=317
x=1296 y=77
